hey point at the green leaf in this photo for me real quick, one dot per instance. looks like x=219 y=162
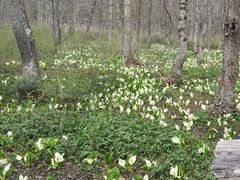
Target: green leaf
x=108 y=158
x=113 y=173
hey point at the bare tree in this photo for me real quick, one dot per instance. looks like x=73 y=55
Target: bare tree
x=71 y=16
x=26 y=44
x=225 y=100
x=127 y=48
x=182 y=52
x=197 y=22
x=149 y=23
x=90 y=16
x=203 y=31
x=121 y=22
x=139 y=19
x=56 y=30
x=110 y=28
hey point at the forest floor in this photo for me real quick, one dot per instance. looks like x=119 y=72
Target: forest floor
x=112 y=121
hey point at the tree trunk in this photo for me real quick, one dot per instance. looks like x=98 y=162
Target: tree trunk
x=197 y=20
x=1 y=11
x=203 y=31
x=225 y=100
x=121 y=21
x=210 y=34
x=149 y=23
x=26 y=45
x=91 y=14
x=127 y=50
x=139 y=19
x=110 y=28
x=182 y=52
x=56 y=22
x=71 y=16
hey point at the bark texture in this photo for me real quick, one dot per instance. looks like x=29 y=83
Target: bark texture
x=203 y=31
x=110 y=30
x=56 y=30
x=91 y=14
x=127 y=50
x=149 y=24
x=181 y=55
x=225 y=100
x=71 y=16
x=139 y=19
x=121 y=22
x=26 y=45
x=197 y=22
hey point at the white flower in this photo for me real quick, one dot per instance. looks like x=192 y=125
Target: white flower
x=132 y=160
x=65 y=138
x=177 y=127
x=121 y=162
x=6 y=169
x=188 y=125
x=18 y=157
x=58 y=157
x=121 y=109
x=56 y=106
x=176 y=140
x=128 y=110
x=3 y=161
x=146 y=177
x=39 y=144
x=174 y=171
x=89 y=160
x=162 y=123
x=21 y=177
x=152 y=102
x=238 y=106
x=1 y=98
x=148 y=163
x=9 y=134
x=204 y=107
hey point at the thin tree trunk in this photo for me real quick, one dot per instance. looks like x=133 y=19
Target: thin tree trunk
x=196 y=34
x=71 y=16
x=56 y=22
x=26 y=44
x=91 y=14
x=225 y=100
x=121 y=21
x=203 y=31
x=149 y=28
x=1 y=11
x=209 y=27
x=127 y=34
x=110 y=29
x=139 y=19
x=182 y=52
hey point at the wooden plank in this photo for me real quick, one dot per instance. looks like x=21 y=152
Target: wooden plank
x=227 y=160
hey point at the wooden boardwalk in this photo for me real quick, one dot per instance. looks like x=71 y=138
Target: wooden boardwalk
x=226 y=164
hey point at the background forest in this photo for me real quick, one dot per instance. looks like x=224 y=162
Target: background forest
x=117 y=89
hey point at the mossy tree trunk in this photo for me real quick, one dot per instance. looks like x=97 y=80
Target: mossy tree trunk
x=26 y=44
